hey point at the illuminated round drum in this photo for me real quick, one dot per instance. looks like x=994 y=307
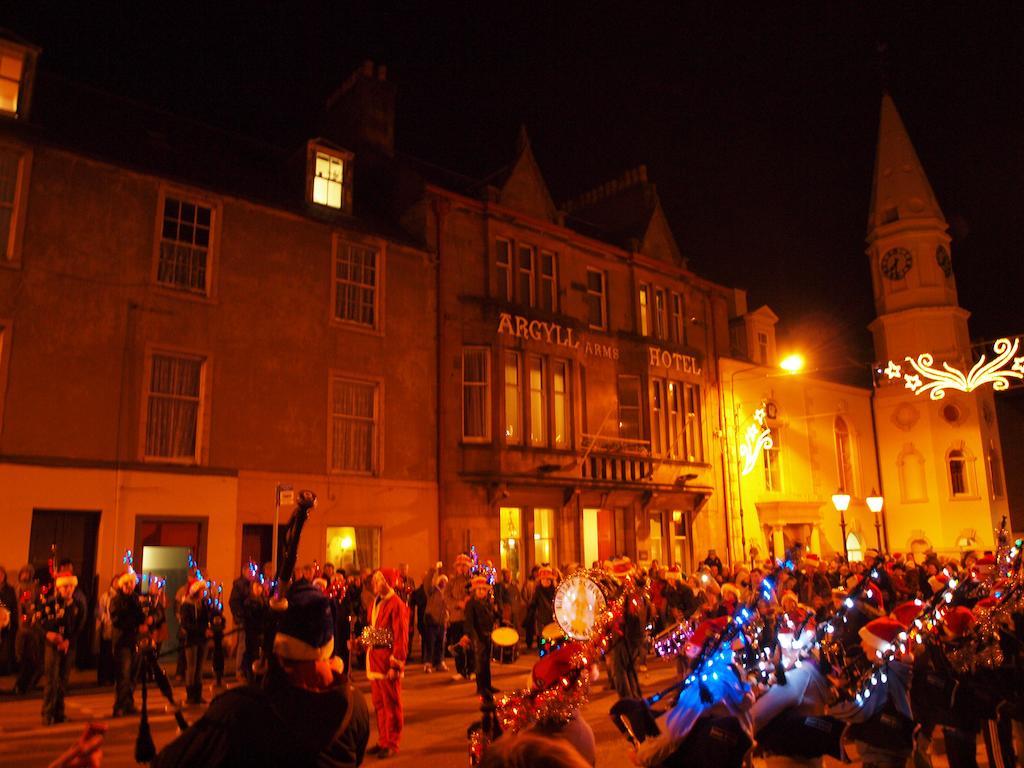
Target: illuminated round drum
x=579 y=600
x=504 y=645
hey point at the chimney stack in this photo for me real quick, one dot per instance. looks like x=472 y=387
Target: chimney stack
x=360 y=115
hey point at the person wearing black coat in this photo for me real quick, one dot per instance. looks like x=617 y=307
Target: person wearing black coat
x=61 y=622
x=479 y=623
x=128 y=621
x=303 y=714
x=195 y=625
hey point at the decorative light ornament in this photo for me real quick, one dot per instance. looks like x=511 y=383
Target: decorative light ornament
x=756 y=439
x=1004 y=366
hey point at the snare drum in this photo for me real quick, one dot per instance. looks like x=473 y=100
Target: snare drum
x=504 y=645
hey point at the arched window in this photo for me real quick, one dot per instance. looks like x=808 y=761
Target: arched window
x=957 y=463
x=854 y=548
x=844 y=456
x=911 y=472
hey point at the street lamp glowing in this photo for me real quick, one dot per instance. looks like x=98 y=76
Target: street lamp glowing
x=874 y=502
x=793 y=363
x=841 y=501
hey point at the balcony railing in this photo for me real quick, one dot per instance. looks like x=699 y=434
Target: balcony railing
x=616 y=458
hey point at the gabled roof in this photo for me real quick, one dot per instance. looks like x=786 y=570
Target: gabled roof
x=901 y=190
x=523 y=186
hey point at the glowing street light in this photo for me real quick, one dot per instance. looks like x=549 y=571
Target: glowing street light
x=841 y=501
x=875 y=504
x=793 y=363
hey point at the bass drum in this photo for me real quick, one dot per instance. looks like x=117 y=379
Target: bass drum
x=504 y=645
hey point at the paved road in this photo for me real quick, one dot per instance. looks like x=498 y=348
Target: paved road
x=438 y=712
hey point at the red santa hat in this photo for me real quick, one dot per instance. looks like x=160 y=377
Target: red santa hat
x=620 y=567
x=707 y=628
x=545 y=572
x=984 y=566
x=906 y=612
x=897 y=556
x=983 y=606
x=792 y=621
x=390 y=575
x=66 y=580
x=675 y=573
x=958 y=621
x=872 y=595
x=938 y=582
x=464 y=560
x=479 y=581
x=813 y=558
x=555 y=665
x=881 y=634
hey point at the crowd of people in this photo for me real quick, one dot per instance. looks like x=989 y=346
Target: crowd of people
x=329 y=624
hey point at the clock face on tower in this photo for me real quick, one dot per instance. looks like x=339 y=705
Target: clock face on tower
x=943 y=260
x=896 y=263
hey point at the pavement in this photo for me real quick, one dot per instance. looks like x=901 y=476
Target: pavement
x=437 y=713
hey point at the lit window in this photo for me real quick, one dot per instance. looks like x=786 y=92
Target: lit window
x=352 y=548
x=660 y=318
x=328 y=180
x=657 y=417
x=771 y=462
x=630 y=426
x=11 y=66
x=356 y=271
x=185 y=245
x=543 y=535
x=562 y=404
x=173 y=407
x=958 y=473
x=526 y=275
x=597 y=310
x=510 y=528
x=476 y=395
x=844 y=456
x=503 y=269
x=513 y=400
x=354 y=412
x=854 y=548
x=538 y=400
x=645 y=320
x=548 y=281
x=694 y=441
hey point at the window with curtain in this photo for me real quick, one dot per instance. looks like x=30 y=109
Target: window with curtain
x=356 y=275
x=844 y=456
x=513 y=400
x=645 y=310
x=510 y=525
x=527 y=271
x=173 y=406
x=538 y=400
x=658 y=446
x=354 y=412
x=597 y=307
x=694 y=442
x=503 y=269
x=630 y=422
x=678 y=319
x=543 y=536
x=660 y=314
x=328 y=177
x=184 y=245
x=548 y=281
x=476 y=394
x=562 y=404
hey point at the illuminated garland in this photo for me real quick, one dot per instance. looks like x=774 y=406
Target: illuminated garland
x=757 y=438
x=481 y=570
x=671 y=643
x=927 y=378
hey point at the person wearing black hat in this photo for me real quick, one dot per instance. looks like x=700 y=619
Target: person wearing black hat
x=304 y=713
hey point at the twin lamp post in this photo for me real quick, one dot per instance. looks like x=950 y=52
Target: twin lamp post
x=841 y=501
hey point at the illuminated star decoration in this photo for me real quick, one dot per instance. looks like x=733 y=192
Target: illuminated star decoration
x=757 y=438
x=1004 y=366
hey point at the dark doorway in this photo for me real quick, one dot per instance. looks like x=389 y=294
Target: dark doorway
x=258 y=543
x=59 y=534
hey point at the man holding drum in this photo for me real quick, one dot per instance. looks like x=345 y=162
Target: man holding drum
x=479 y=624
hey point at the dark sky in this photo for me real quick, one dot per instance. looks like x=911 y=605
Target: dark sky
x=757 y=123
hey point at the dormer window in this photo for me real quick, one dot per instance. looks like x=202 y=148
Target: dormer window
x=11 y=67
x=329 y=177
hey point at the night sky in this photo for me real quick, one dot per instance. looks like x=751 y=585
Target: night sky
x=757 y=123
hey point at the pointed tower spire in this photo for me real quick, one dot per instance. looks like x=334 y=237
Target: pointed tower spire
x=901 y=190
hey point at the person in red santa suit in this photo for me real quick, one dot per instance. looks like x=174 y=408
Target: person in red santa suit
x=387 y=647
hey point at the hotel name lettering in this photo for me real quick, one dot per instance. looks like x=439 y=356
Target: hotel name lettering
x=557 y=334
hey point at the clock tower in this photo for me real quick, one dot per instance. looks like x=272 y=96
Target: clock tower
x=940 y=459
